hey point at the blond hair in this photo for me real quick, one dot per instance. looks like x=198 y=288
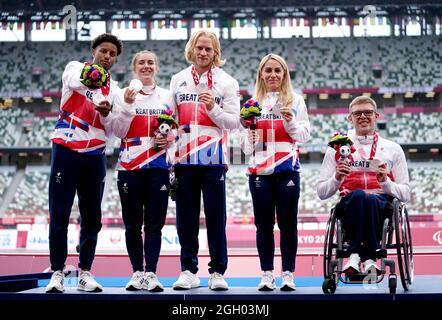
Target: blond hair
x=286 y=96
x=188 y=51
x=138 y=54
x=363 y=100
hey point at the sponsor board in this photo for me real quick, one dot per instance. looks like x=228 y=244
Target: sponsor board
x=39 y=239
x=237 y=236
x=111 y=239
x=8 y=239
x=437 y=237
x=114 y=239
x=170 y=241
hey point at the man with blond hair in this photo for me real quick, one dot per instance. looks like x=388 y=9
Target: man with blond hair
x=208 y=104
x=376 y=171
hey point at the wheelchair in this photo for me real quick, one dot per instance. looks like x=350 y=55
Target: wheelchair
x=396 y=237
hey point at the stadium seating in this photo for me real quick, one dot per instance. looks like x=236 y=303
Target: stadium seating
x=40 y=133
x=426 y=183
x=319 y=62
x=31 y=197
x=10 y=125
x=6 y=174
x=400 y=127
x=415 y=127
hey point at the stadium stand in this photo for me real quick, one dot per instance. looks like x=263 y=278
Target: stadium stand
x=10 y=125
x=415 y=127
x=6 y=174
x=29 y=200
x=401 y=127
x=40 y=132
x=320 y=63
x=31 y=196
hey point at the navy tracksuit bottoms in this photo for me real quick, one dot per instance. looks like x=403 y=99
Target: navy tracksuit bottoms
x=210 y=180
x=362 y=215
x=144 y=197
x=277 y=192
x=73 y=172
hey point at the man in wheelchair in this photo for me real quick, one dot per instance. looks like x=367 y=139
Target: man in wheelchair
x=373 y=173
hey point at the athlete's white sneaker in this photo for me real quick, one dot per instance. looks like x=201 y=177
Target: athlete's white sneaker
x=56 y=285
x=86 y=282
x=186 y=280
x=151 y=283
x=267 y=281
x=352 y=265
x=288 y=282
x=370 y=266
x=217 y=282
x=136 y=282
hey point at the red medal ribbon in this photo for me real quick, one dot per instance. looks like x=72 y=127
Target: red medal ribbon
x=106 y=88
x=196 y=78
x=374 y=146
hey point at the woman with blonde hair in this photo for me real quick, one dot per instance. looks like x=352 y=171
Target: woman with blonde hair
x=274 y=179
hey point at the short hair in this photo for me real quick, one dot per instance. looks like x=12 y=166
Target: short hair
x=188 y=51
x=107 y=37
x=138 y=54
x=362 y=100
x=286 y=94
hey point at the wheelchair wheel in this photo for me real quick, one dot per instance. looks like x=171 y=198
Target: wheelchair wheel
x=403 y=244
x=392 y=284
x=329 y=248
x=329 y=285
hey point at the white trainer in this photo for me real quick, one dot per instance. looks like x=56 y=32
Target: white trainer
x=86 y=282
x=267 y=281
x=136 y=282
x=56 y=285
x=352 y=265
x=186 y=280
x=370 y=266
x=217 y=282
x=287 y=281
x=151 y=282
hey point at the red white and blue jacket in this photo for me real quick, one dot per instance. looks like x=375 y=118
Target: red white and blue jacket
x=370 y=151
x=277 y=148
x=203 y=134
x=79 y=127
x=137 y=127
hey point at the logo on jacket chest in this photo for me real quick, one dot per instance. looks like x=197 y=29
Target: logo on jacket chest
x=360 y=164
x=270 y=116
x=193 y=97
x=148 y=111
x=90 y=94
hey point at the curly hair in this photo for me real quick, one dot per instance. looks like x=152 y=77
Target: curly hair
x=107 y=37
